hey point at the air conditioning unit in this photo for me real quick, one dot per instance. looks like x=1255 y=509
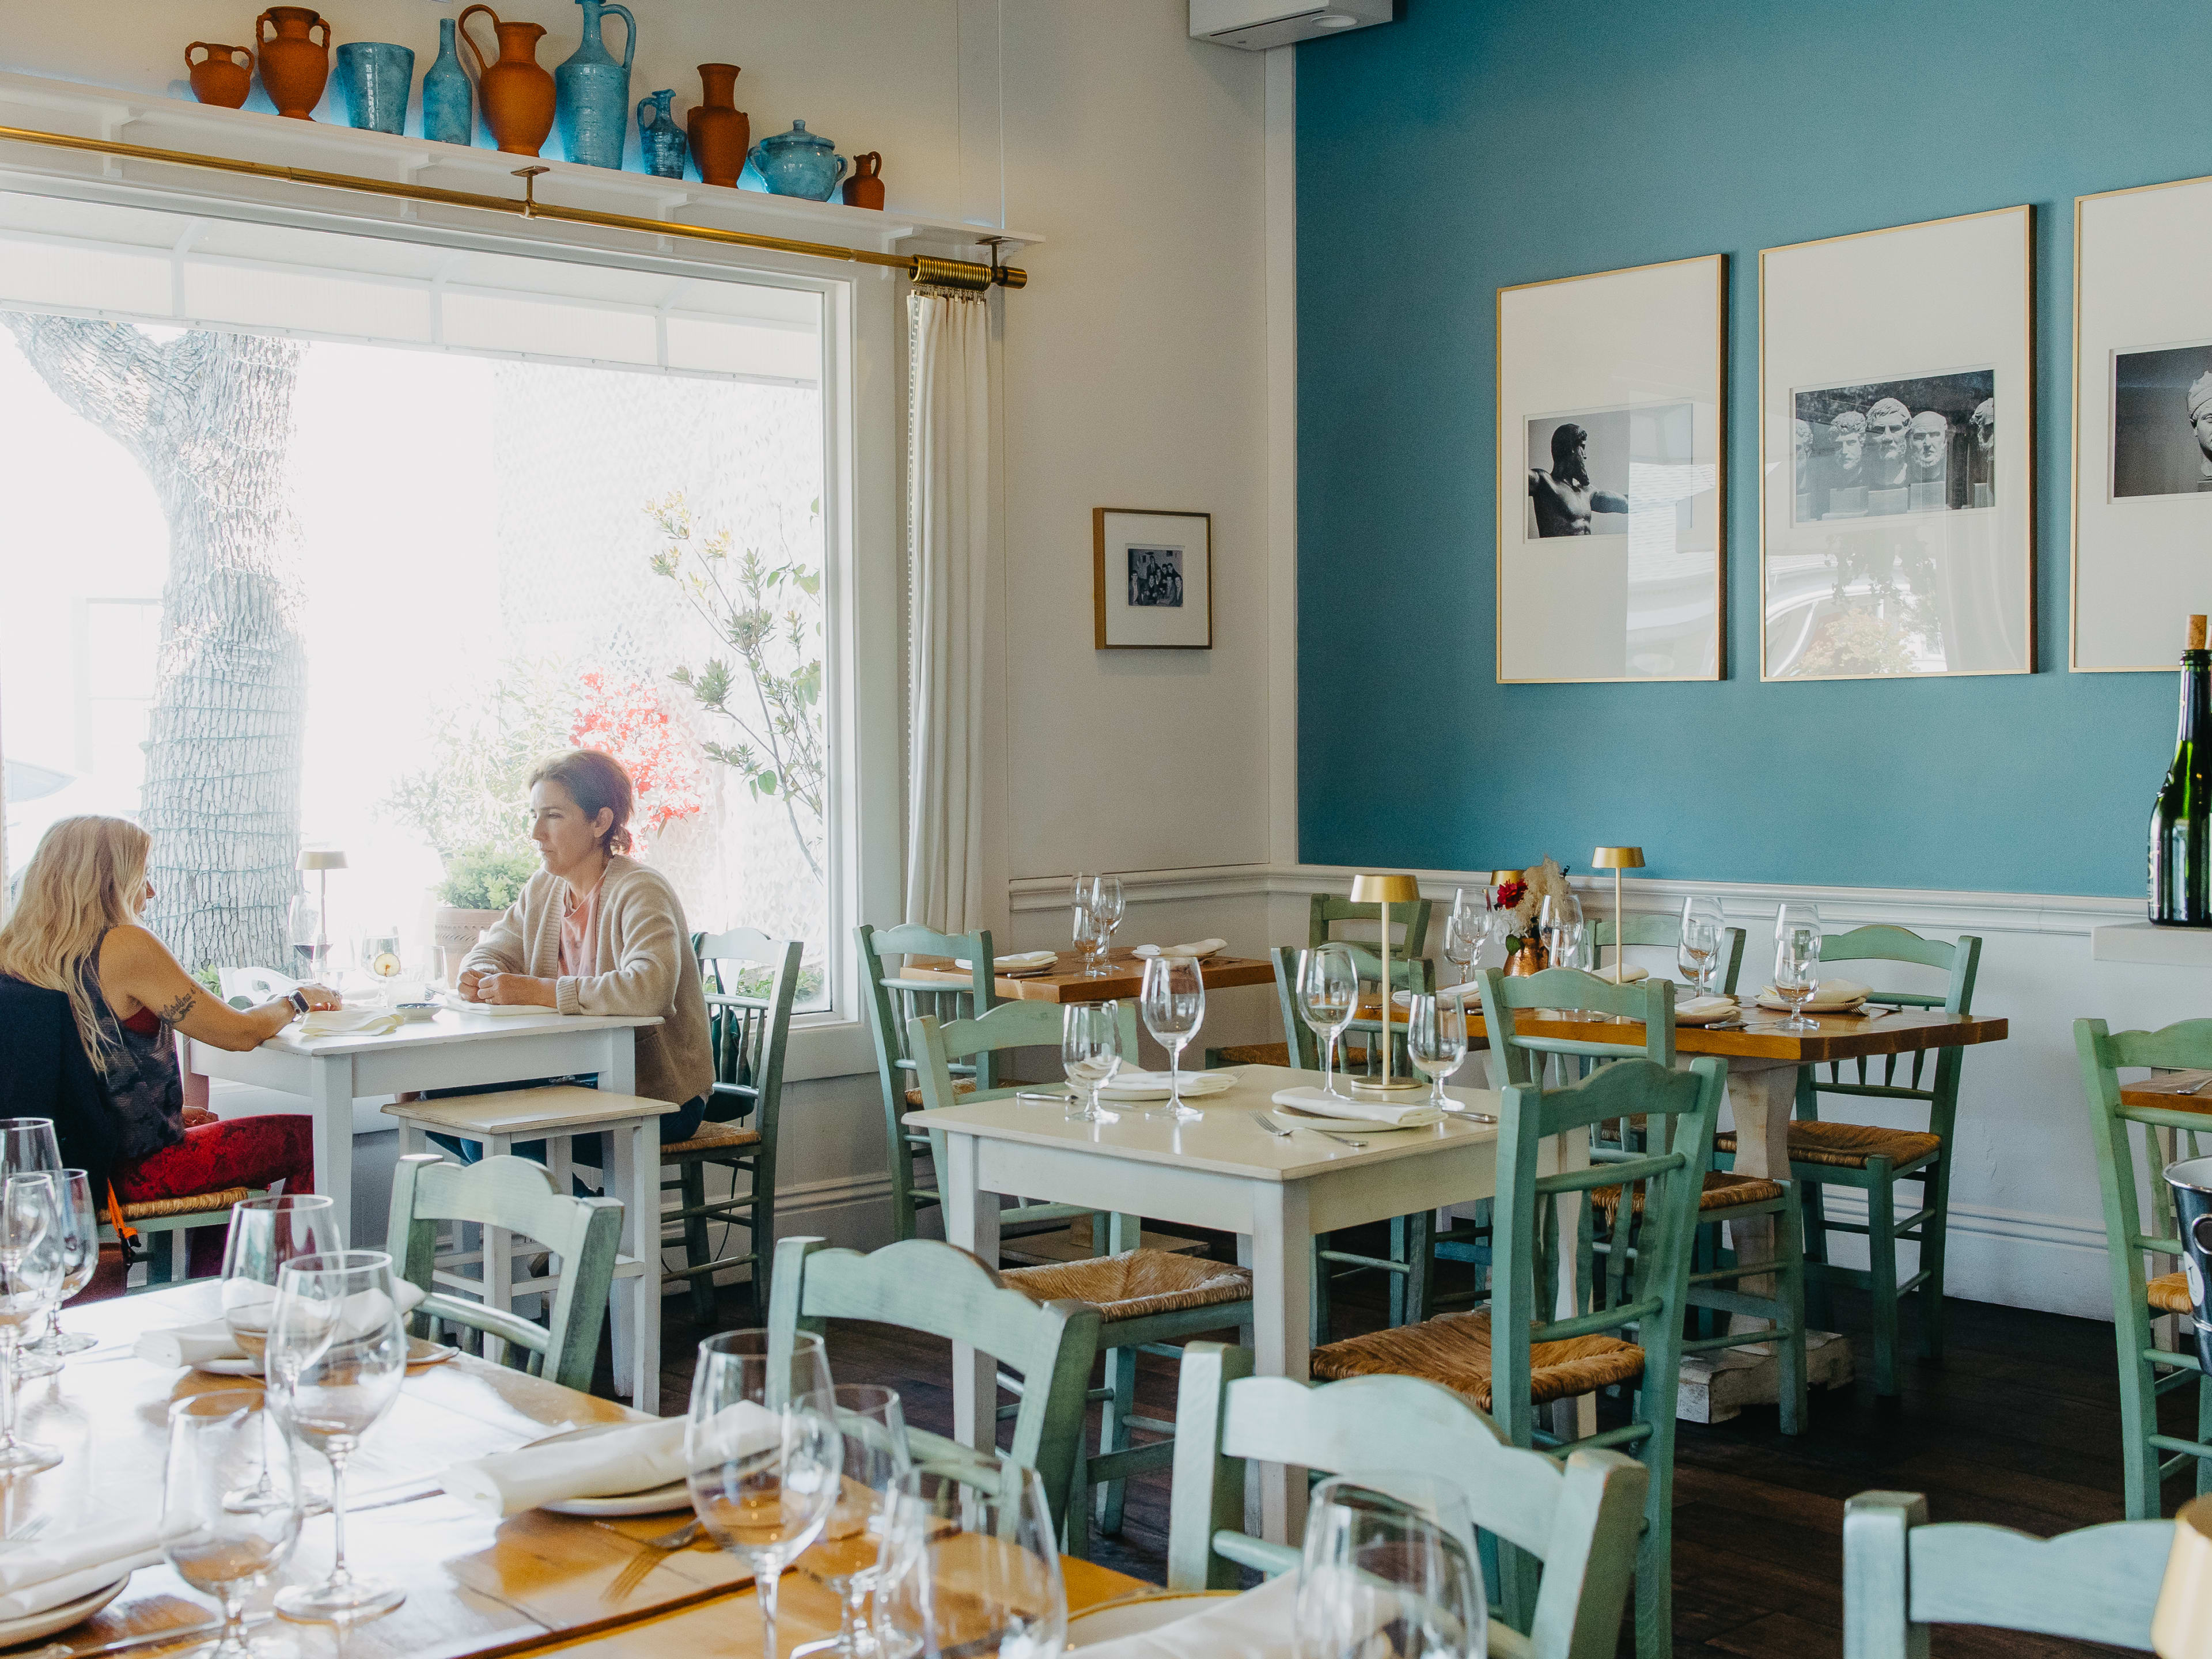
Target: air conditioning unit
x=1257 y=24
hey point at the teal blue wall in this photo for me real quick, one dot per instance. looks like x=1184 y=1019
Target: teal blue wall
x=1475 y=143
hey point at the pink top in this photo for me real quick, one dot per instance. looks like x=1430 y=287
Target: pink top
x=578 y=947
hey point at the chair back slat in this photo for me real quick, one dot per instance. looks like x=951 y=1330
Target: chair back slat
x=1649 y=1000
x=751 y=983
x=1325 y=911
x=1664 y=931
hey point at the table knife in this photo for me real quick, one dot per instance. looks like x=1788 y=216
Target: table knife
x=147 y=1639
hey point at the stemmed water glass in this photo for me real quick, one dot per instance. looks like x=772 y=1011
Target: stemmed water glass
x=29 y=1146
x=1328 y=994
x=765 y=1456
x=265 y=1233
x=1388 y=1573
x=219 y=1447
x=1435 y=1041
x=31 y=1275
x=1560 y=920
x=1698 y=953
x=973 y=1565
x=1467 y=929
x=1091 y=933
x=336 y=1355
x=1174 y=1008
x=1107 y=905
x=80 y=1219
x=848 y=1557
x=1091 y=1053
x=1797 y=973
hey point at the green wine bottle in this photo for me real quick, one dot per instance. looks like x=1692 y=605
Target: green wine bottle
x=2181 y=819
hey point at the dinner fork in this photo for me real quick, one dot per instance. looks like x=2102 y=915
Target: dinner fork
x=640 y=1567
x=1281 y=1132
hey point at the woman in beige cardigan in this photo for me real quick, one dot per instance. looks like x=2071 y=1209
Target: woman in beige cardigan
x=596 y=932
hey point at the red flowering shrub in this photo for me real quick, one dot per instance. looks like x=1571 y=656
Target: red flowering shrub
x=623 y=718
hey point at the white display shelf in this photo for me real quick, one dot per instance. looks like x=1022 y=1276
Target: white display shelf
x=2138 y=941
x=77 y=111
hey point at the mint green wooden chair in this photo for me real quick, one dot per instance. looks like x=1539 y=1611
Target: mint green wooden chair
x=1826 y=1153
x=1146 y=1298
x=518 y=1195
x=1514 y=1356
x=1580 y=1518
x=1664 y=933
x=2146 y=1371
x=751 y=981
x=1902 y=1576
x=1327 y=911
x=923 y=1285
x=893 y=1003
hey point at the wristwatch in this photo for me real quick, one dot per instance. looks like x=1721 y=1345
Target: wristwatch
x=298 y=1000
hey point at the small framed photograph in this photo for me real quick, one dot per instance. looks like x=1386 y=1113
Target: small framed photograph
x=1152 y=579
x=1611 y=475
x=1897 y=531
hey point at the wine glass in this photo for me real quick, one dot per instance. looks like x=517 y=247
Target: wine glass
x=1107 y=907
x=219 y=1447
x=1797 y=913
x=80 y=1218
x=1436 y=1039
x=311 y=945
x=1464 y=935
x=265 y=1233
x=1091 y=1053
x=764 y=1452
x=1557 y=913
x=1089 y=932
x=31 y=1274
x=1174 y=1008
x=848 y=1557
x=972 y=1563
x=1698 y=953
x=1388 y=1572
x=1328 y=994
x=336 y=1357
x=1797 y=974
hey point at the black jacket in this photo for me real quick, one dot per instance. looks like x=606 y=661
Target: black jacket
x=46 y=1073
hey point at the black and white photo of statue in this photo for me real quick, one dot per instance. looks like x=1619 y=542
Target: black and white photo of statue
x=1590 y=471
x=2162 y=421
x=1156 y=577
x=1881 y=447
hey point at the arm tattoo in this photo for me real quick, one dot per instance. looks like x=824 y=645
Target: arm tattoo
x=176 y=1010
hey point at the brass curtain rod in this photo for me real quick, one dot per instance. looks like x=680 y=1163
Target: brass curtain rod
x=921 y=267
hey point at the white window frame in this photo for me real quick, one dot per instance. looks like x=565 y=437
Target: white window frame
x=859 y=378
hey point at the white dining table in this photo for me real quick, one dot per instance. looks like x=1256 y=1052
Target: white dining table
x=1223 y=1172
x=451 y=1050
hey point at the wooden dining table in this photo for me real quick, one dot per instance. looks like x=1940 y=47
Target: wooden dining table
x=477 y=1587
x=1067 y=981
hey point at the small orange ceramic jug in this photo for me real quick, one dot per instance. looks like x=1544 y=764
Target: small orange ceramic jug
x=865 y=189
x=516 y=90
x=219 y=78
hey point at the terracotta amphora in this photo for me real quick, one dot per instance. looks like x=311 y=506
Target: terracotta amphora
x=219 y=78
x=294 y=64
x=865 y=189
x=721 y=134
x=516 y=91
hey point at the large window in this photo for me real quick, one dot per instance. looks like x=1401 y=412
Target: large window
x=316 y=539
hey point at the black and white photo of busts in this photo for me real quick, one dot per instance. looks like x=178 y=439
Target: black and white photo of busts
x=2162 y=421
x=1584 y=468
x=1882 y=447
x=1156 y=577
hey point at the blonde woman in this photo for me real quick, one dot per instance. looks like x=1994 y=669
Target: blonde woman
x=75 y=931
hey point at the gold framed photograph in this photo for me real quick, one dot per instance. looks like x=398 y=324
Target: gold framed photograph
x=1152 y=578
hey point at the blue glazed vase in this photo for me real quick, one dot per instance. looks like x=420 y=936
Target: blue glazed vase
x=374 y=78
x=593 y=90
x=448 y=105
x=798 y=163
x=658 y=138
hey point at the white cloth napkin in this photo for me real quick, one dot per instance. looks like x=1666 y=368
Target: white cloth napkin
x=1013 y=964
x=634 y=1459
x=461 y=1004
x=1698 y=1010
x=1260 y=1624
x=1412 y=1115
x=172 y=1345
x=1134 y=1085
x=1622 y=974
x=349 y=1022
x=1203 y=947
x=1457 y=993
x=51 y=1574
x=1829 y=993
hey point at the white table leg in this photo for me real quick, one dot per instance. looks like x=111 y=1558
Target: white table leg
x=1282 y=1303
x=330 y=1112
x=498 y=1249
x=618 y=1071
x=972 y=1221
x=1763 y=1098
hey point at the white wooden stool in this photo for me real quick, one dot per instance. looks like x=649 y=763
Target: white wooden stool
x=555 y=1114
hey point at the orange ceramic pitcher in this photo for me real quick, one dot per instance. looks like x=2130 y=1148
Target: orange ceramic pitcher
x=517 y=91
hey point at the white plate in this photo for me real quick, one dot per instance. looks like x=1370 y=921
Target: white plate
x=32 y=1627
x=421 y=1350
x=1136 y=1615
x=660 y=1500
x=1153 y=1085
x=1847 y=1005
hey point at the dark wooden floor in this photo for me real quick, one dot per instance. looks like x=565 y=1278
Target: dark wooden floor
x=2019 y=1427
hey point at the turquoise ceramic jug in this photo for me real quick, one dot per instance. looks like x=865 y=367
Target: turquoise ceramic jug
x=798 y=163
x=658 y=138
x=593 y=90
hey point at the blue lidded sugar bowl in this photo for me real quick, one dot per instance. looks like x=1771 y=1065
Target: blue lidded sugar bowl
x=798 y=163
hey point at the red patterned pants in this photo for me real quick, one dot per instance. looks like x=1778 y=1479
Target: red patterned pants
x=241 y=1151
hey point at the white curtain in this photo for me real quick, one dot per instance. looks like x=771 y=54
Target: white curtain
x=948 y=544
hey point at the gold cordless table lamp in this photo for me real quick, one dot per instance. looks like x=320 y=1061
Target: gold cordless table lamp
x=1617 y=859
x=1385 y=891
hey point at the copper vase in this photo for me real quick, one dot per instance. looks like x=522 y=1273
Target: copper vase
x=865 y=189
x=219 y=78
x=720 y=131
x=1526 y=958
x=294 y=65
x=516 y=90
